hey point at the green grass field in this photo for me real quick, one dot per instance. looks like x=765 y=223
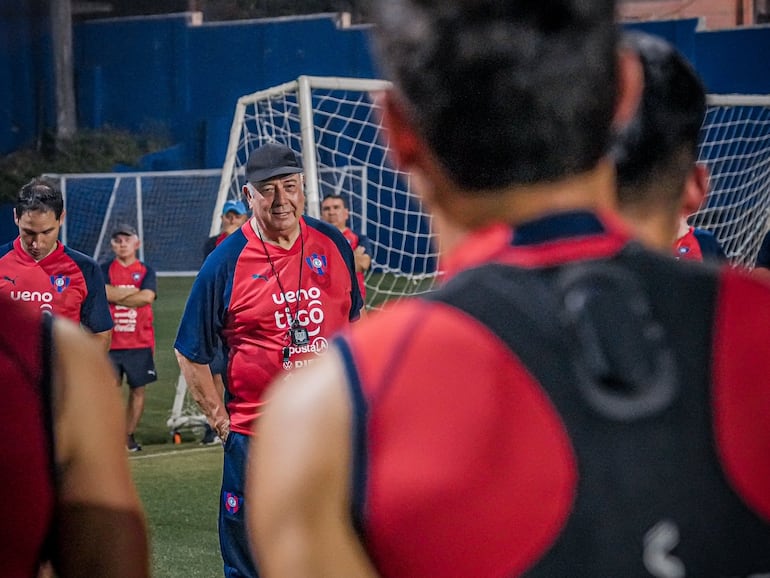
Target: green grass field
x=172 y=294
x=179 y=487
x=178 y=484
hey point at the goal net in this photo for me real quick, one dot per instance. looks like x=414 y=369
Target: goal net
x=735 y=145
x=333 y=123
x=171 y=211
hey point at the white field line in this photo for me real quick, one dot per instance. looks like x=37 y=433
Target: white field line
x=174 y=453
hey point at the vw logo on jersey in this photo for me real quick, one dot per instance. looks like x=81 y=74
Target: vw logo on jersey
x=60 y=282
x=317 y=263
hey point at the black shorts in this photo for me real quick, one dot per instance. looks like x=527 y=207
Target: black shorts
x=137 y=365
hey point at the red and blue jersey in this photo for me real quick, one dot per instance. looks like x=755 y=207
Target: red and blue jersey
x=133 y=326
x=246 y=293
x=699 y=245
x=66 y=283
x=27 y=481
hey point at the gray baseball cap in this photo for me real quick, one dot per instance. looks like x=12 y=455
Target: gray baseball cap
x=271 y=160
x=123 y=229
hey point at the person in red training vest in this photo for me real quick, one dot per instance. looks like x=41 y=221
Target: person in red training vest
x=68 y=500
x=40 y=273
x=334 y=210
x=573 y=404
x=131 y=290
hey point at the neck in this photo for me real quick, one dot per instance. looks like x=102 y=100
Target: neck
x=126 y=261
x=456 y=213
x=657 y=230
x=283 y=238
x=684 y=227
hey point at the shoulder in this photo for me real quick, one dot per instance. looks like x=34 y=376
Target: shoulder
x=742 y=384
x=6 y=248
x=83 y=260
x=321 y=229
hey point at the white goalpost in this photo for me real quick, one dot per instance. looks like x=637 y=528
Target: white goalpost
x=333 y=123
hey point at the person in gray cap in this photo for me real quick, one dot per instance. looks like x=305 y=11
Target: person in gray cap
x=274 y=292
x=132 y=288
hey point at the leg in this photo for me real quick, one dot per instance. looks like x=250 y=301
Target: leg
x=233 y=540
x=134 y=408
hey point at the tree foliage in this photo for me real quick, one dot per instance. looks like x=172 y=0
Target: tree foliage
x=89 y=151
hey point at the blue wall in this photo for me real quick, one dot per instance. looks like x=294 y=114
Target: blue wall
x=164 y=70
x=144 y=72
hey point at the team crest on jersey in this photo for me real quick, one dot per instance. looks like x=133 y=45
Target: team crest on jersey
x=136 y=276
x=317 y=263
x=233 y=502
x=60 y=282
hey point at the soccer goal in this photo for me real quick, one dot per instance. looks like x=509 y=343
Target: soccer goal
x=333 y=123
x=735 y=145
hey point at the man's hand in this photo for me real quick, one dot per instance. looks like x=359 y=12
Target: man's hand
x=223 y=430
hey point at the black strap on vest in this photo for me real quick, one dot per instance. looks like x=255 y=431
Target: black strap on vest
x=595 y=315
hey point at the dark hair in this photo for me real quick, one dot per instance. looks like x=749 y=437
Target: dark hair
x=504 y=93
x=661 y=143
x=337 y=196
x=39 y=195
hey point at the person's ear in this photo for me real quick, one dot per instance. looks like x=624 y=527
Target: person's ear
x=404 y=145
x=695 y=188
x=249 y=192
x=630 y=85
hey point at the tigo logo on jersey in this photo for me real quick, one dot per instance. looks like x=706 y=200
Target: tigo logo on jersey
x=233 y=502
x=60 y=282
x=317 y=263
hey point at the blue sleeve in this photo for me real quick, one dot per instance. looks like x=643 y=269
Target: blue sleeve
x=363 y=241
x=95 y=310
x=150 y=280
x=105 y=268
x=356 y=301
x=200 y=327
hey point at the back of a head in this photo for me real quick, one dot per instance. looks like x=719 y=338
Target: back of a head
x=661 y=142
x=39 y=195
x=504 y=93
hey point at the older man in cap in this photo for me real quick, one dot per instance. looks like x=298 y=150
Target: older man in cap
x=274 y=292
